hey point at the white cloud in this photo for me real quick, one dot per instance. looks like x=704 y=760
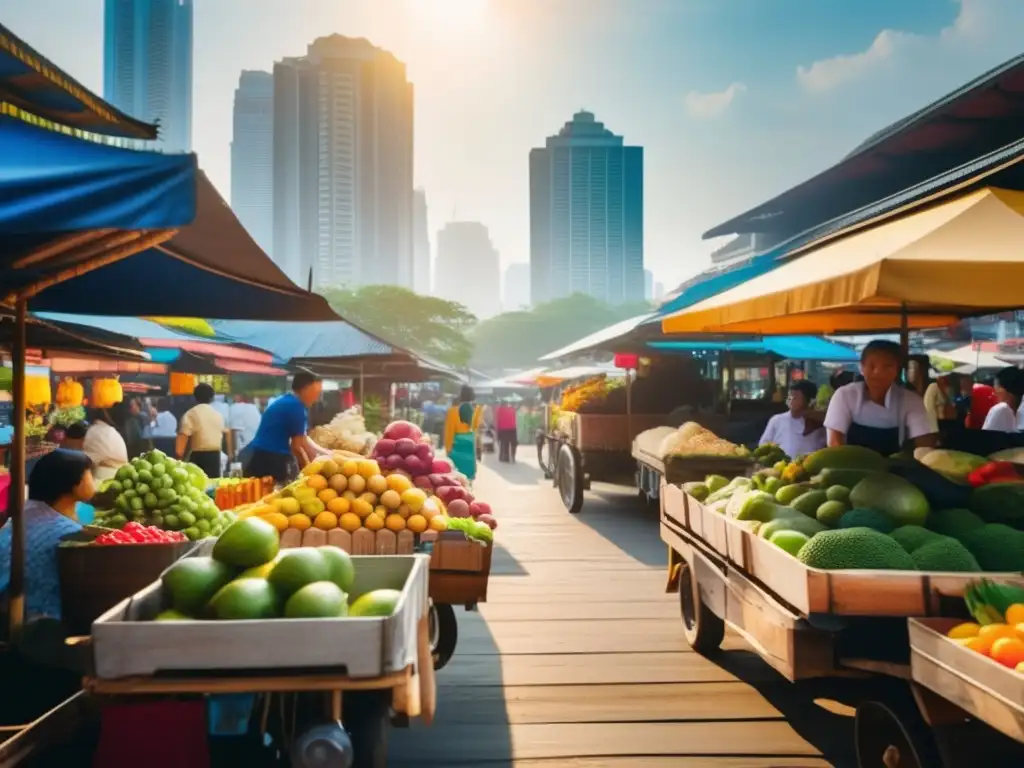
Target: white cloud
x=976 y=24
x=710 y=105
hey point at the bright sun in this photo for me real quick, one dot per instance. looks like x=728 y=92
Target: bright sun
x=452 y=14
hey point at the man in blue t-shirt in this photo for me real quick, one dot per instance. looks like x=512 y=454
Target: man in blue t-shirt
x=281 y=445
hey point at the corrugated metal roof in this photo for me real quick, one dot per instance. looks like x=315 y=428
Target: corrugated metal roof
x=599 y=338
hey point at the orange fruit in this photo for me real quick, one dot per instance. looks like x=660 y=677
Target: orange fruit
x=300 y=522
x=1020 y=667
x=326 y=521
x=316 y=482
x=350 y=495
x=277 y=520
x=369 y=498
x=381 y=510
x=404 y=511
x=327 y=495
x=329 y=468
x=968 y=629
x=416 y=523
x=399 y=483
x=996 y=631
x=356 y=484
x=349 y=468
x=338 y=482
x=982 y=644
x=394 y=522
x=1020 y=630
x=391 y=499
x=350 y=522
x=439 y=523
x=374 y=522
x=377 y=484
x=1015 y=614
x=313 y=468
x=414 y=498
x=361 y=508
x=368 y=468
x=1008 y=651
x=339 y=506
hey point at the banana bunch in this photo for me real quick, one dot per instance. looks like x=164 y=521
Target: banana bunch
x=988 y=601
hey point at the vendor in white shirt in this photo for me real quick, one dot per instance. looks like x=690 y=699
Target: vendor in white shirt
x=789 y=430
x=1007 y=414
x=879 y=413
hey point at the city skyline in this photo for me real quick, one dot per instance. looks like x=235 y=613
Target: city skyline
x=147 y=65
x=586 y=215
x=343 y=165
x=467 y=268
x=252 y=156
x=728 y=115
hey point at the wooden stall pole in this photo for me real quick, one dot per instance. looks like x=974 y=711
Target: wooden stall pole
x=16 y=610
x=905 y=341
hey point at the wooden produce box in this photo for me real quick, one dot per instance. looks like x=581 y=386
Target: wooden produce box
x=981 y=687
x=459 y=568
x=609 y=432
x=93 y=579
x=127 y=643
x=814 y=591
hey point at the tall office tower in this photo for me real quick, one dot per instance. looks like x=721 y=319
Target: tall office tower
x=147 y=65
x=516 y=294
x=468 y=269
x=343 y=165
x=420 y=243
x=252 y=156
x=587 y=215
x=648 y=285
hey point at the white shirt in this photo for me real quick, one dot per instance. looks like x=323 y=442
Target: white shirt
x=1001 y=418
x=851 y=405
x=105 y=446
x=164 y=425
x=244 y=418
x=204 y=427
x=222 y=408
x=787 y=432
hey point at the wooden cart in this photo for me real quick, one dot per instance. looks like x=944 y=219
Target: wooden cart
x=808 y=623
x=582 y=446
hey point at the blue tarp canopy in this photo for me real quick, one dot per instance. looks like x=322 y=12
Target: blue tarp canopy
x=65 y=202
x=31 y=82
x=788 y=347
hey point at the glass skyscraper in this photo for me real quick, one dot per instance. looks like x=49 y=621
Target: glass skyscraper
x=587 y=215
x=252 y=156
x=147 y=65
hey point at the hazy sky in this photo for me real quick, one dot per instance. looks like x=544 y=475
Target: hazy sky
x=733 y=100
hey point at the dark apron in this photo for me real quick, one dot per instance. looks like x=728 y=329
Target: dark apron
x=885 y=441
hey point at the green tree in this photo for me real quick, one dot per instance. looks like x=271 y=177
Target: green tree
x=423 y=324
x=518 y=339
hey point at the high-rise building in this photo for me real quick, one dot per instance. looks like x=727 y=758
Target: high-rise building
x=648 y=285
x=420 y=243
x=659 y=291
x=517 y=287
x=587 y=215
x=467 y=268
x=147 y=65
x=343 y=165
x=252 y=156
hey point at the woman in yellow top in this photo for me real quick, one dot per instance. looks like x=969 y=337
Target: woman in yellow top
x=460 y=433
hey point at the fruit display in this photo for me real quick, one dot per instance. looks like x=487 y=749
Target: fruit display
x=136 y=533
x=998 y=627
x=691 y=440
x=846 y=507
x=346 y=432
x=249 y=577
x=159 y=491
x=403 y=487
x=592 y=392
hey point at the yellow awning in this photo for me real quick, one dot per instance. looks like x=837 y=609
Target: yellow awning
x=962 y=258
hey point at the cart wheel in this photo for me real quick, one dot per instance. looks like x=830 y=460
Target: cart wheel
x=704 y=630
x=444 y=633
x=544 y=464
x=885 y=738
x=569 y=478
x=366 y=720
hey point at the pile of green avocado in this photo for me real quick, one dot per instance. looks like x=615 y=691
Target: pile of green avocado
x=850 y=512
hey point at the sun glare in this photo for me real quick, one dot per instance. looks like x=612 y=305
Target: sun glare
x=458 y=15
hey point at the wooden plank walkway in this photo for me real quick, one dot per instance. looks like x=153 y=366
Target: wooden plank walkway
x=578 y=659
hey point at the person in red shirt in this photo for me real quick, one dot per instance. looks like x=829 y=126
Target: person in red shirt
x=508 y=441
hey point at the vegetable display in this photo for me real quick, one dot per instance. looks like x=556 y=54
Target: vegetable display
x=346 y=432
x=589 y=394
x=846 y=507
x=998 y=627
x=691 y=439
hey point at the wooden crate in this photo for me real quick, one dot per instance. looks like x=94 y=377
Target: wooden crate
x=459 y=568
x=127 y=643
x=979 y=686
x=611 y=432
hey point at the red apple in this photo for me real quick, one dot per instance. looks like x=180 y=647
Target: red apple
x=458 y=508
x=415 y=466
x=405 y=446
x=489 y=520
x=437 y=480
x=423 y=481
x=426 y=454
x=442 y=467
x=384 y=447
x=394 y=461
x=478 y=508
x=399 y=429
